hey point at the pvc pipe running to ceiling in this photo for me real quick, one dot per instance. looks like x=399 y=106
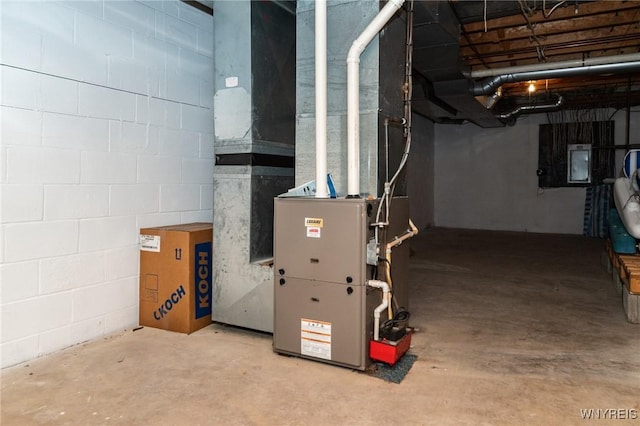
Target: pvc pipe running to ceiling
x=321 y=98
x=353 y=93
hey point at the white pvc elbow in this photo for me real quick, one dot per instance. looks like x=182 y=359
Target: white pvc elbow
x=381 y=307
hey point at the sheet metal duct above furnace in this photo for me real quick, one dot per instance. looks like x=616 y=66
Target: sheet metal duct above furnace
x=442 y=94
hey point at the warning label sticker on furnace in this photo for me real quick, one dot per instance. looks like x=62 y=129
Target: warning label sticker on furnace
x=315 y=338
x=150 y=243
x=313 y=232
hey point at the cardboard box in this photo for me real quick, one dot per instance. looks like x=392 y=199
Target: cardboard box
x=175 y=277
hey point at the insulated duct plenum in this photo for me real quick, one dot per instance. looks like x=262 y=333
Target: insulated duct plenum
x=436 y=58
x=436 y=41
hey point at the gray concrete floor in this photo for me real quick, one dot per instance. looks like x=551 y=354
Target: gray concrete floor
x=513 y=329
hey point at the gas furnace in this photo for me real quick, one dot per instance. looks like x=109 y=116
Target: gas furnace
x=324 y=256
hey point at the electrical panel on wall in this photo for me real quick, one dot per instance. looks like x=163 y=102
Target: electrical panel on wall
x=579 y=161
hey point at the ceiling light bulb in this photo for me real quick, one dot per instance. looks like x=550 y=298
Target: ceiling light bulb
x=532 y=87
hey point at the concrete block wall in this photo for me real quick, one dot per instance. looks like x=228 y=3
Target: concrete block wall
x=107 y=127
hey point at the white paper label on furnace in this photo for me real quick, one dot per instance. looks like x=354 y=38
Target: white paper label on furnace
x=315 y=338
x=150 y=243
x=313 y=232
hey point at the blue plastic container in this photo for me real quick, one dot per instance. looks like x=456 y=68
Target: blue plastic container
x=621 y=241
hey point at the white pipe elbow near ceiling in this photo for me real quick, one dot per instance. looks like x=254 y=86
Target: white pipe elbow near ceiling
x=353 y=93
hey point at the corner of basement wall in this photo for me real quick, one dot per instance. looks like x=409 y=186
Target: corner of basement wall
x=107 y=127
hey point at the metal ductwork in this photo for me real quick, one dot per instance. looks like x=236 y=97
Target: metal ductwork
x=441 y=91
x=436 y=41
x=509 y=117
x=456 y=94
x=601 y=60
x=445 y=92
x=491 y=84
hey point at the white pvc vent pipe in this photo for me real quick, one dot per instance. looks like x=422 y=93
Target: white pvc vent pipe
x=321 y=98
x=353 y=93
x=381 y=307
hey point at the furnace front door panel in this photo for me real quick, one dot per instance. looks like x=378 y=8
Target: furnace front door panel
x=320 y=240
x=320 y=320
